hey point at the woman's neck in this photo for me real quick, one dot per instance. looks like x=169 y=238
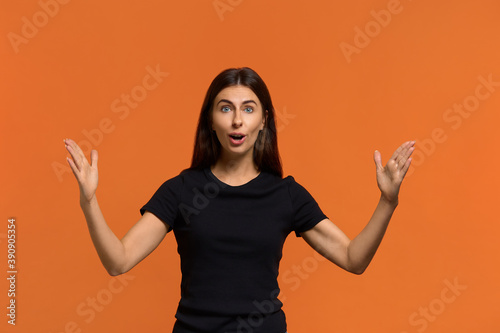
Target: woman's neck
x=235 y=172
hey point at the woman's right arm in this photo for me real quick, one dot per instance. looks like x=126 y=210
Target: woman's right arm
x=117 y=256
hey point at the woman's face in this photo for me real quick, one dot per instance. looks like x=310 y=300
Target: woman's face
x=237 y=118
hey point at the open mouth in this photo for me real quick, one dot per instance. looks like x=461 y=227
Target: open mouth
x=237 y=138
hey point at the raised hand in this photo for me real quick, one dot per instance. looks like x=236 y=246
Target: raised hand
x=390 y=176
x=86 y=174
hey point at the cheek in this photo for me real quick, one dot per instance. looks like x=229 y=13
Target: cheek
x=220 y=131
x=216 y=123
x=217 y=133
x=260 y=125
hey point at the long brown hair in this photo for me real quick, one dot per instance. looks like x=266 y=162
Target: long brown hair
x=207 y=147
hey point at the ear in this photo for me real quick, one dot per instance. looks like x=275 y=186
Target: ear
x=264 y=120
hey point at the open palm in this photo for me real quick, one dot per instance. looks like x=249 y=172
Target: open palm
x=390 y=176
x=86 y=174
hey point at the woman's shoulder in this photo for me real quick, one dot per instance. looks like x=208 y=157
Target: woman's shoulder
x=189 y=176
x=294 y=187
x=192 y=172
x=287 y=182
x=289 y=179
x=184 y=177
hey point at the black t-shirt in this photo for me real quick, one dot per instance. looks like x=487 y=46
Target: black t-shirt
x=230 y=241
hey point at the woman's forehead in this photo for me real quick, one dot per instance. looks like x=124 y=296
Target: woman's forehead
x=237 y=94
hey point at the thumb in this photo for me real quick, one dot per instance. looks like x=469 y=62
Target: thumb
x=93 y=158
x=377 y=157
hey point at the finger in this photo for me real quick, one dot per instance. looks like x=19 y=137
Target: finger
x=93 y=158
x=77 y=154
x=76 y=158
x=72 y=154
x=399 y=154
x=411 y=148
x=398 y=151
x=408 y=153
x=406 y=167
x=408 y=159
x=73 y=168
x=75 y=147
x=377 y=157
x=405 y=154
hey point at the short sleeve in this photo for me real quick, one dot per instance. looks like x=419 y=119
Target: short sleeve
x=164 y=203
x=306 y=211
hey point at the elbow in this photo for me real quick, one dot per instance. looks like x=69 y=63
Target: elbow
x=116 y=267
x=115 y=270
x=355 y=265
x=357 y=270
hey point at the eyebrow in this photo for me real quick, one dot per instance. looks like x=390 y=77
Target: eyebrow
x=229 y=102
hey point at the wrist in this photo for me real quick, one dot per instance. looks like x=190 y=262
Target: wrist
x=85 y=202
x=392 y=202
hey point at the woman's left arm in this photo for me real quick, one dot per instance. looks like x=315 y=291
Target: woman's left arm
x=355 y=255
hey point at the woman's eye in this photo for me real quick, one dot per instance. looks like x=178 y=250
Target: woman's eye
x=226 y=109
x=249 y=109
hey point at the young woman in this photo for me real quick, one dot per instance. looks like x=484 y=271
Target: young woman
x=231 y=212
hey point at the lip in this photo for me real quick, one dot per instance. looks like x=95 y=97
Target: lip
x=237 y=142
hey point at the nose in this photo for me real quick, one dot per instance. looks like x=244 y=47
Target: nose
x=237 y=121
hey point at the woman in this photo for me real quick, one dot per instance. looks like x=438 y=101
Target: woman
x=231 y=212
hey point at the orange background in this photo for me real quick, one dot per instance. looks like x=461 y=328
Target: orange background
x=61 y=78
